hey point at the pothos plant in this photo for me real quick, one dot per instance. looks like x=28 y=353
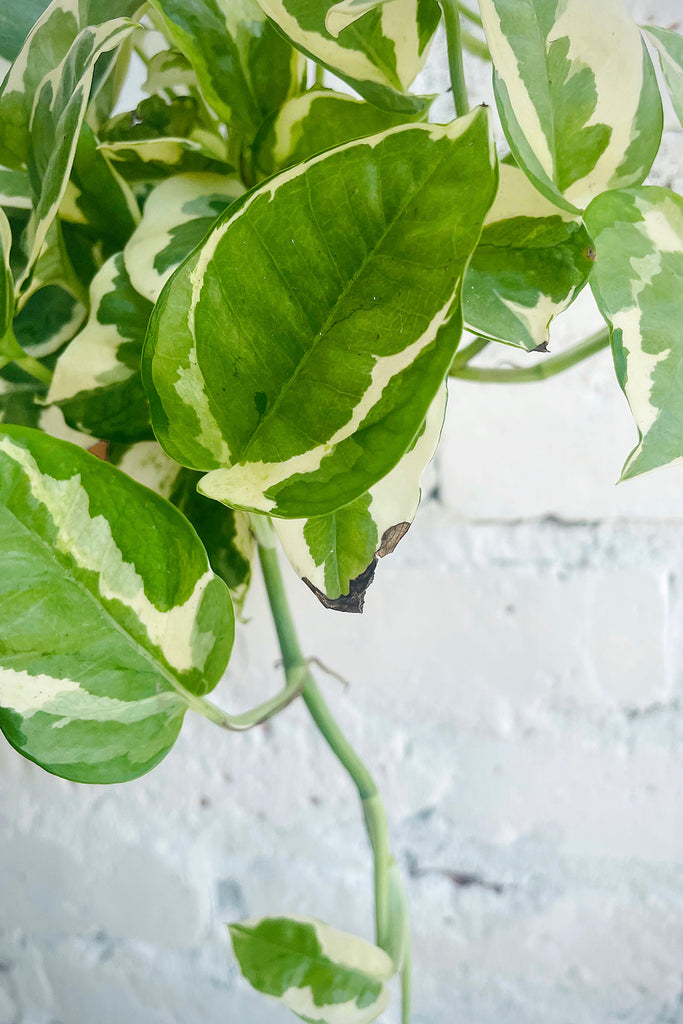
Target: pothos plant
x=245 y=297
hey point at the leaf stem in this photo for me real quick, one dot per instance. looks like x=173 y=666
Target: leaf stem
x=463 y=355
x=529 y=374
x=475 y=46
x=451 y=16
x=294 y=661
x=469 y=14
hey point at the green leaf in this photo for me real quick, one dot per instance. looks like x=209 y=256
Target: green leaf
x=6 y=279
x=15 y=189
x=531 y=262
x=48 y=320
x=379 y=54
x=97 y=382
x=178 y=213
x=314 y=122
x=244 y=67
x=16 y=21
x=637 y=279
x=56 y=121
x=670 y=47
x=224 y=532
x=302 y=344
x=322 y=975
x=576 y=93
x=336 y=555
x=111 y=621
x=96 y=196
x=339 y=15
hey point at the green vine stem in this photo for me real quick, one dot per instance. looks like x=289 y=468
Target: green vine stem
x=529 y=374
x=475 y=46
x=469 y=14
x=464 y=355
x=295 y=662
x=451 y=16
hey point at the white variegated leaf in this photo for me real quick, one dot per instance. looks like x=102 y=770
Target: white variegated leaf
x=576 y=93
x=112 y=623
x=177 y=215
x=15 y=189
x=336 y=555
x=669 y=45
x=323 y=975
x=342 y=14
x=638 y=285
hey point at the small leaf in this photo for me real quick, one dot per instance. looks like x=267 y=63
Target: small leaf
x=637 y=279
x=336 y=554
x=178 y=213
x=97 y=381
x=111 y=621
x=670 y=47
x=324 y=317
x=48 y=320
x=317 y=121
x=531 y=262
x=576 y=93
x=245 y=69
x=379 y=54
x=342 y=14
x=322 y=975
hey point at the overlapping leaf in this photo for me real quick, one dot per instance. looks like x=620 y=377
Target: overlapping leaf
x=301 y=400
x=378 y=54
x=531 y=262
x=336 y=554
x=316 y=121
x=576 y=93
x=15 y=189
x=342 y=14
x=670 y=47
x=178 y=213
x=111 y=621
x=637 y=280
x=245 y=69
x=97 y=380
x=322 y=975
x=6 y=278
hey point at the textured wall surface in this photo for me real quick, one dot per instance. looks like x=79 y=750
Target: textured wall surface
x=517 y=688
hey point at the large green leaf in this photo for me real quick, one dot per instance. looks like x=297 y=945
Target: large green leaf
x=670 y=47
x=322 y=975
x=316 y=121
x=97 y=381
x=638 y=285
x=379 y=54
x=296 y=353
x=336 y=554
x=178 y=213
x=111 y=621
x=531 y=262
x=56 y=120
x=244 y=67
x=576 y=93
x=16 y=21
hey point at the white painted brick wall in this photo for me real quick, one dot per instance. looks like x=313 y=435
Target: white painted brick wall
x=517 y=686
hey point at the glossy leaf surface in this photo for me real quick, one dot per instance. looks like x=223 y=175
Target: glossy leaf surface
x=379 y=54
x=111 y=619
x=531 y=262
x=322 y=975
x=336 y=554
x=637 y=279
x=576 y=93
x=311 y=395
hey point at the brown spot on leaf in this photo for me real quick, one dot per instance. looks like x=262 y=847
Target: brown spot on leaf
x=591 y=254
x=391 y=537
x=355 y=599
x=101 y=450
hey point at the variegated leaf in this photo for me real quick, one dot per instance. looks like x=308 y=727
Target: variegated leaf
x=111 y=621
x=97 y=196
x=97 y=381
x=342 y=14
x=6 y=279
x=314 y=122
x=336 y=554
x=322 y=975
x=16 y=21
x=576 y=93
x=670 y=48
x=169 y=69
x=532 y=260
x=48 y=320
x=56 y=122
x=379 y=54
x=178 y=213
x=245 y=69
x=301 y=397
x=638 y=285
x=15 y=189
